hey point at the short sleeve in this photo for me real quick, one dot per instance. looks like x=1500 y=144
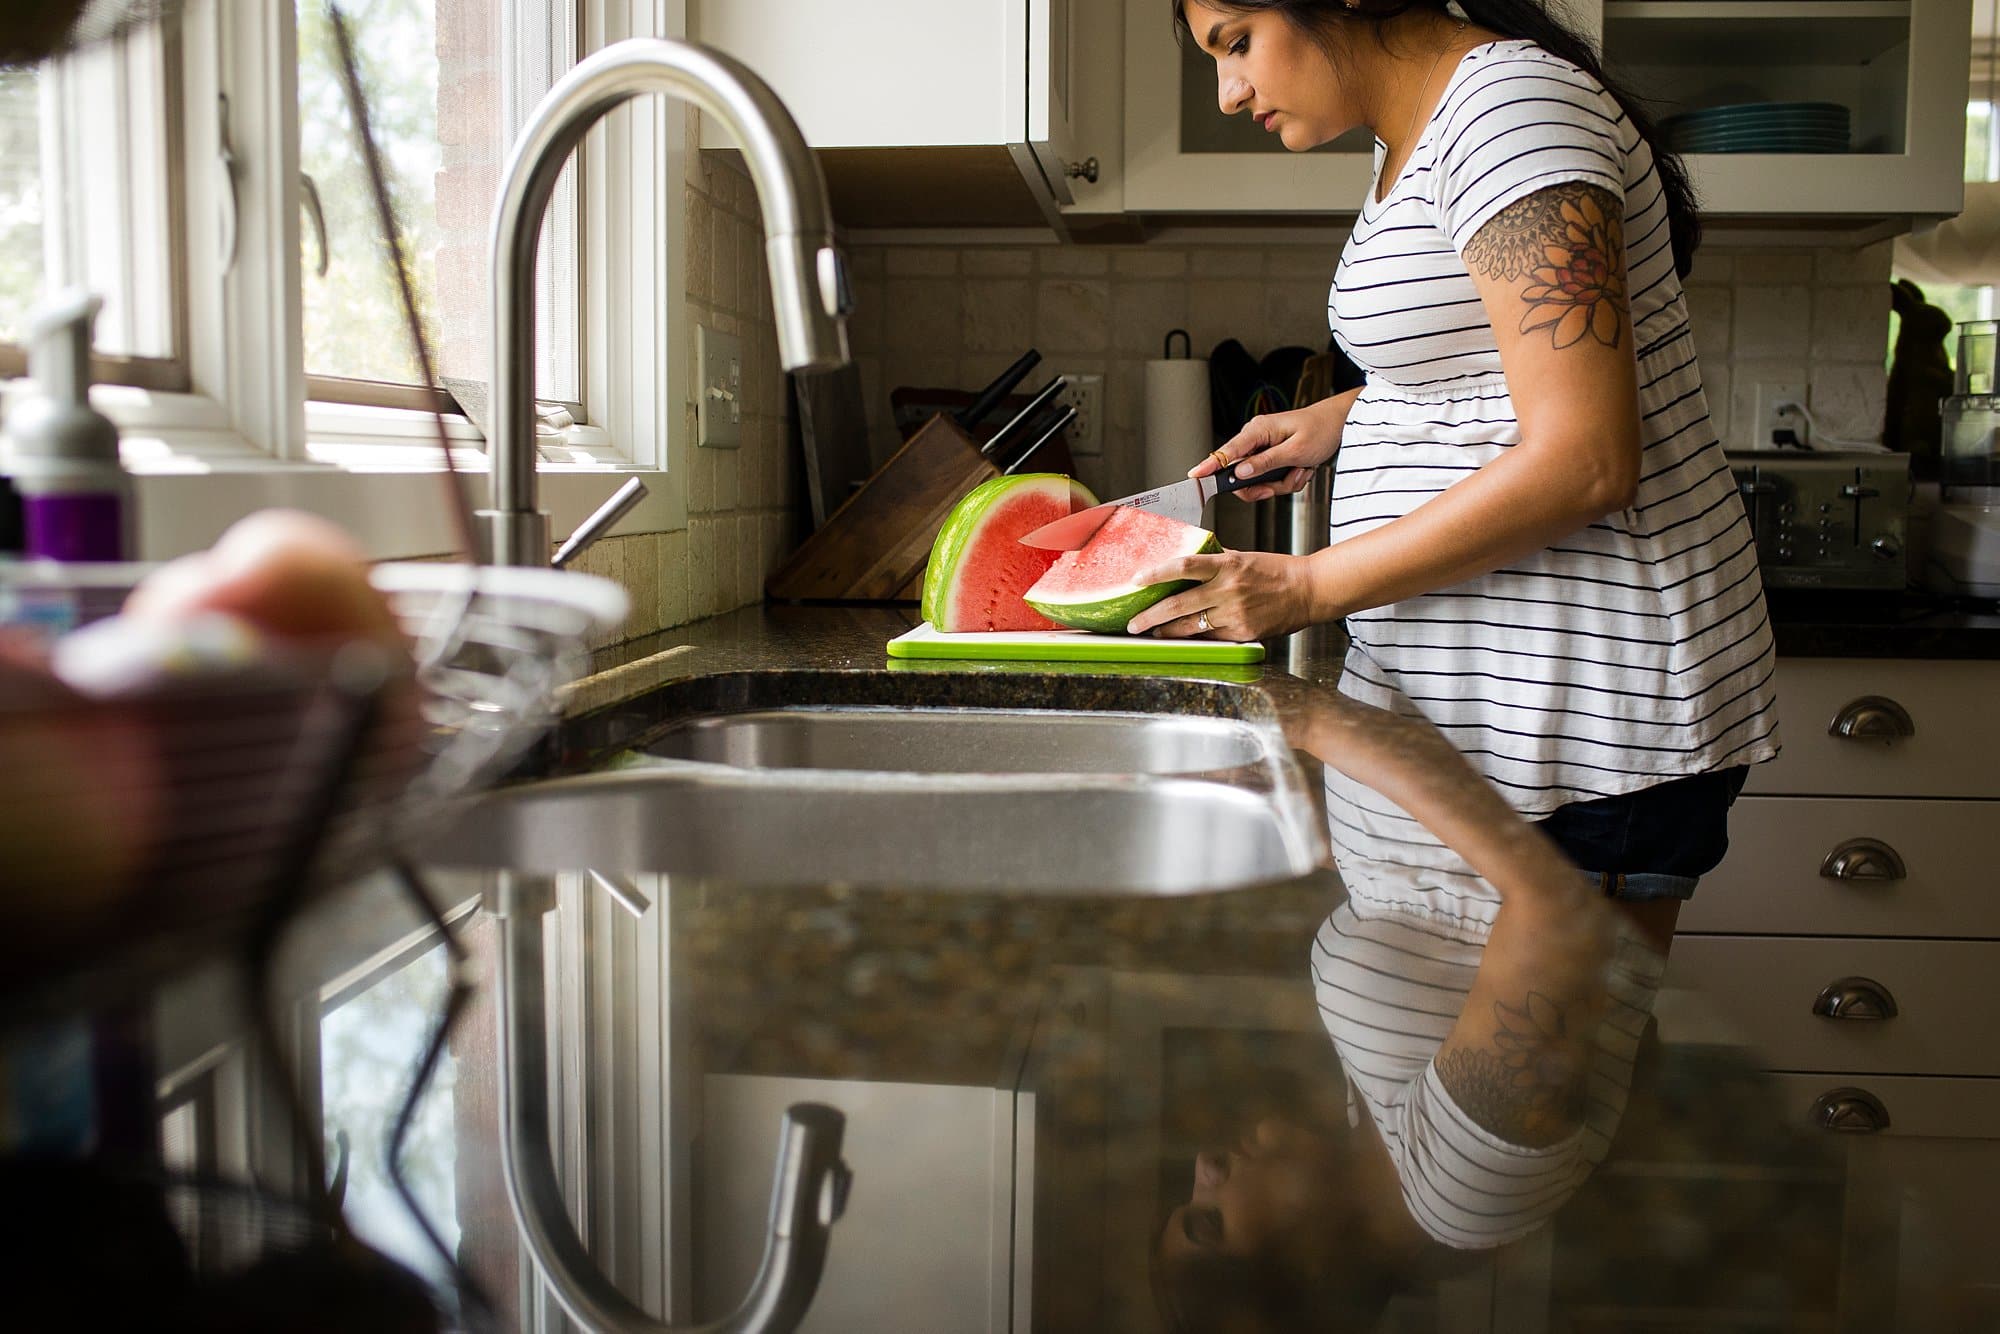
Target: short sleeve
x=1466 y=1186
x=1516 y=124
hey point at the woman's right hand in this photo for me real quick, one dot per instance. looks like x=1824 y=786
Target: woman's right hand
x=1300 y=440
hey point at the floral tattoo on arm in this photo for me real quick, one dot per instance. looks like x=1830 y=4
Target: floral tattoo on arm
x=1528 y=1088
x=1569 y=241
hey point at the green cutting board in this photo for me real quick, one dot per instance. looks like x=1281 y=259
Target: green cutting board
x=1065 y=646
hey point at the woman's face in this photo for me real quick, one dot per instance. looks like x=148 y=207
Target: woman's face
x=1279 y=75
x=1248 y=1199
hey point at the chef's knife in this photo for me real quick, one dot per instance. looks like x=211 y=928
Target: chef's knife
x=1042 y=398
x=1003 y=385
x=1181 y=500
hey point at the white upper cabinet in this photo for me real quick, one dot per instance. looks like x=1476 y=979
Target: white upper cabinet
x=984 y=88
x=1899 y=67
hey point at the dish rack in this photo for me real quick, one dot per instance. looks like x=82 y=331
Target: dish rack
x=272 y=776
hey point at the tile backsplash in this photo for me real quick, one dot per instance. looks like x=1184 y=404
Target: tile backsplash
x=954 y=316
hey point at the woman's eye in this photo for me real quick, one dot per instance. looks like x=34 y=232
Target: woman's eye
x=1239 y=46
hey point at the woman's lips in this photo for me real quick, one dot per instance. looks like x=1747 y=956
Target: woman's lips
x=1268 y=119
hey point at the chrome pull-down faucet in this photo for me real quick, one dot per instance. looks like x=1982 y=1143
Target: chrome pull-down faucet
x=809 y=290
x=810 y=299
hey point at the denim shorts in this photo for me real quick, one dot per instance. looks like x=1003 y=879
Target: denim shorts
x=1655 y=843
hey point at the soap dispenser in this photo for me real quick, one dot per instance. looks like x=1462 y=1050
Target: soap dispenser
x=63 y=454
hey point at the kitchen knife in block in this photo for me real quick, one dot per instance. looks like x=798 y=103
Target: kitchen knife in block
x=873 y=548
x=1050 y=454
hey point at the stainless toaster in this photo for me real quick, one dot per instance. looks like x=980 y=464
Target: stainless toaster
x=1826 y=520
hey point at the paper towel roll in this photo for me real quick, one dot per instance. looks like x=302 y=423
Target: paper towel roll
x=1178 y=431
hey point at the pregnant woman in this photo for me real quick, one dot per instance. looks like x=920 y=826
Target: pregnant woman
x=1535 y=536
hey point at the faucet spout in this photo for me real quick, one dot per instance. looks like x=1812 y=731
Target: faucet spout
x=809 y=290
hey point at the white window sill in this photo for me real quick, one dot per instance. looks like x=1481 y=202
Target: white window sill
x=372 y=470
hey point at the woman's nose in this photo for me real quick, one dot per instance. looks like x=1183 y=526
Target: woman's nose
x=1211 y=1169
x=1231 y=94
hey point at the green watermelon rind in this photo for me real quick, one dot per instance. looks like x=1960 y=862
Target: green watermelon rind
x=1109 y=616
x=964 y=522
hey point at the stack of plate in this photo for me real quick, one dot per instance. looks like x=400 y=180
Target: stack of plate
x=1767 y=127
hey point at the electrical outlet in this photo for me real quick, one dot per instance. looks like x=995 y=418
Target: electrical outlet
x=1085 y=393
x=1768 y=420
x=718 y=417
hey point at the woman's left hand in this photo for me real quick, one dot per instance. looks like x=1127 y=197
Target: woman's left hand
x=1243 y=595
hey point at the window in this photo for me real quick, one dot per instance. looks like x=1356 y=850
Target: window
x=176 y=170
x=447 y=86
x=87 y=199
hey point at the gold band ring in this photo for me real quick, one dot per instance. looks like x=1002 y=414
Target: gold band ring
x=1221 y=458
x=1201 y=623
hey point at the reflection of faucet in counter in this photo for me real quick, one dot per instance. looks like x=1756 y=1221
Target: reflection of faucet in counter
x=809 y=292
x=1476 y=990
x=810 y=299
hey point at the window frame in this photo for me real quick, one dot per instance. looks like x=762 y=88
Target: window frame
x=155 y=59
x=247 y=433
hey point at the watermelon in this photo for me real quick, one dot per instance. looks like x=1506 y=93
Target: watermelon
x=978 y=568
x=1096 y=587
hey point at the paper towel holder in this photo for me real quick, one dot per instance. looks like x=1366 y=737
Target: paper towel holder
x=1167 y=346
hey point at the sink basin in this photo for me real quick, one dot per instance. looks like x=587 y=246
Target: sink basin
x=957 y=741
x=1101 y=835
x=1004 y=783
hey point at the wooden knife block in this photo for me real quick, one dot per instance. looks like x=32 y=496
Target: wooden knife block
x=874 y=547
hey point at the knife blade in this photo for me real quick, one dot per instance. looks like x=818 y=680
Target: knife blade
x=1042 y=398
x=1180 y=500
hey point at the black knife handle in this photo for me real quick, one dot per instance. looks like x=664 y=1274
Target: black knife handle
x=969 y=417
x=1227 y=480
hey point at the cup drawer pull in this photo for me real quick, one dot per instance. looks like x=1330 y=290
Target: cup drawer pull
x=1864 y=859
x=1855 y=998
x=1872 y=718
x=1850 y=1111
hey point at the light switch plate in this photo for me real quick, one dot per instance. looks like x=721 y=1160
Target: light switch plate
x=719 y=393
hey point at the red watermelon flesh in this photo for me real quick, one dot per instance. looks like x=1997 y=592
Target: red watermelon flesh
x=978 y=567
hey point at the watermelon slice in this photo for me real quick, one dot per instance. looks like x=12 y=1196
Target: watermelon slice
x=978 y=568
x=1096 y=587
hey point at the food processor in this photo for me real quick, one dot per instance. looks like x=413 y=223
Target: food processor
x=1964 y=556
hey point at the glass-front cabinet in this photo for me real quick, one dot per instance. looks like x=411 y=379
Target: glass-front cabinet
x=1822 y=109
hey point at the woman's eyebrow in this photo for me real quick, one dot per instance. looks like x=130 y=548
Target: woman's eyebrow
x=1214 y=34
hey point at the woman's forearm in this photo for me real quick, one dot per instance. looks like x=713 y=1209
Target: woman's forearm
x=1517 y=504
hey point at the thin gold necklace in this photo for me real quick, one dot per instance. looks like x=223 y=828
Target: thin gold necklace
x=1425 y=86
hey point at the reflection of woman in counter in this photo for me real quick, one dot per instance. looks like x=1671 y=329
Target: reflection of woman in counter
x=1535 y=535
x=1486 y=1005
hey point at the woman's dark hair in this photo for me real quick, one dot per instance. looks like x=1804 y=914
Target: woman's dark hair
x=1529 y=20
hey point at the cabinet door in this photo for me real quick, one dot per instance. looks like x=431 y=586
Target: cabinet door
x=1916 y=1221
x=886 y=73
x=1771 y=994
x=1900 y=69
x=1830 y=867
x=1885 y=728
x=1052 y=92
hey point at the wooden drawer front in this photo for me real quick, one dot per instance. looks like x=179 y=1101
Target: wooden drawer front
x=1771 y=882
x=1915 y=1105
x=1954 y=706
x=1765 y=988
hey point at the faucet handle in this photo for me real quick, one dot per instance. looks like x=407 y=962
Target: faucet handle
x=597 y=525
x=836 y=295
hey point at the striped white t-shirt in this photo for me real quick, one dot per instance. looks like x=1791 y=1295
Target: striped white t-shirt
x=1634 y=651
x=1389 y=991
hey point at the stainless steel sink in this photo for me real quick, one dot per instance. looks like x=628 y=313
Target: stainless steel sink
x=957 y=741
x=1037 y=786
x=1098 y=834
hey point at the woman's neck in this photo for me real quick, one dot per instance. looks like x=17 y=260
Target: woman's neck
x=1410 y=67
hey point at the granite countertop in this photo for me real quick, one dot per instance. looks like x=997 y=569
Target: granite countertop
x=1153 y=1034
x=1878 y=625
